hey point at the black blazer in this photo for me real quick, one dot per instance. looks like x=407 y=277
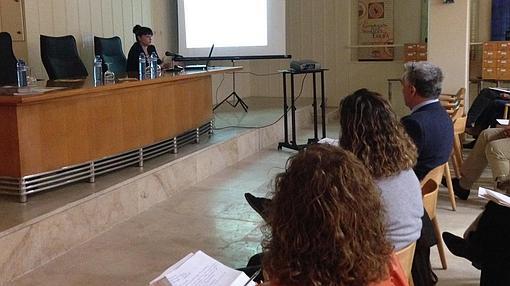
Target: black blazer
x=134 y=53
x=431 y=129
x=7 y=60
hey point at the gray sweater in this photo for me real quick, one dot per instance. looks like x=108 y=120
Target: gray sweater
x=401 y=197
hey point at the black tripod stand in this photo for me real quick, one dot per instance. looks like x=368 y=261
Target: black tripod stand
x=235 y=97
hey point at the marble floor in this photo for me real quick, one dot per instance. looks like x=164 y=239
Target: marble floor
x=213 y=216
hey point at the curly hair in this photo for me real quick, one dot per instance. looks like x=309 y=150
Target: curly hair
x=370 y=129
x=325 y=225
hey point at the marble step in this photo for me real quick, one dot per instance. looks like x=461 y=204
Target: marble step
x=39 y=240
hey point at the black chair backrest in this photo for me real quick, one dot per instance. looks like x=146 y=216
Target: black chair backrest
x=7 y=60
x=61 y=59
x=110 y=50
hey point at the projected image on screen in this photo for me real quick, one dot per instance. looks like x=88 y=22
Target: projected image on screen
x=235 y=23
x=235 y=27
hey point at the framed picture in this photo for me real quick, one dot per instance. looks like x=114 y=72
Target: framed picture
x=375 y=28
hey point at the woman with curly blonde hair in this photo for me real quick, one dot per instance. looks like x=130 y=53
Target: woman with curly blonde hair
x=370 y=129
x=326 y=224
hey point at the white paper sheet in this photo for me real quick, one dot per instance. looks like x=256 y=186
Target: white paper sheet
x=202 y=270
x=496 y=197
x=330 y=141
x=503 y=121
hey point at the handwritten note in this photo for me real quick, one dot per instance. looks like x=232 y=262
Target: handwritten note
x=202 y=270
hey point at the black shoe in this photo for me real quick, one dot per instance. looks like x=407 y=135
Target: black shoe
x=458 y=246
x=469 y=145
x=258 y=204
x=458 y=190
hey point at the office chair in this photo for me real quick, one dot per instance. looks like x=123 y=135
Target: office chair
x=7 y=60
x=61 y=59
x=110 y=50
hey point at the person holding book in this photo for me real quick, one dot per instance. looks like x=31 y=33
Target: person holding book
x=325 y=224
x=492 y=148
x=488 y=106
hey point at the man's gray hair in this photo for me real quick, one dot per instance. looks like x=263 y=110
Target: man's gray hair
x=426 y=77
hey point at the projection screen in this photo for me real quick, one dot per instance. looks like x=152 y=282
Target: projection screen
x=235 y=27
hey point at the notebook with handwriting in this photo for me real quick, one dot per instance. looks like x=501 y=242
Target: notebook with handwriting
x=199 y=269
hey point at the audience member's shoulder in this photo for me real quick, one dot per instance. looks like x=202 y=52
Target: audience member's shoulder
x=405 y=177
x=411 y=121
x=409 y=175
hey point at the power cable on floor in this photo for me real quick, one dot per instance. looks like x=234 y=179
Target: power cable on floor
x=273 y=123
x=244 y=72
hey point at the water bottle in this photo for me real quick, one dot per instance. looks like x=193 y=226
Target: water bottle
x=21 y=73
x=98 y=70
x=142 y=65
x=153 y=63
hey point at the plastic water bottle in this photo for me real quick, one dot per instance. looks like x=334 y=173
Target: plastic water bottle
x=142 y=65
x=153 y=63
x=21 y=73
x=98 y=70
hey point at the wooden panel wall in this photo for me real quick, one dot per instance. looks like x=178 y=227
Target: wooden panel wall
x=83 y=19
x=11 y=21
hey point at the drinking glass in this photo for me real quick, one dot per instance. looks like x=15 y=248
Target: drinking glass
x=31 y=80
x=159 y=70
x=109 y=76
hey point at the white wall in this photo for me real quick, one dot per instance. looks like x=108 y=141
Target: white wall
x=324 y=30
x=449 y=42
x=83 y=19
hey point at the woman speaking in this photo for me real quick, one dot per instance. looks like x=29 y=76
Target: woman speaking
x=142 y=45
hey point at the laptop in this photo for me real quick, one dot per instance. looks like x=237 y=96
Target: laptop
x=201 y=67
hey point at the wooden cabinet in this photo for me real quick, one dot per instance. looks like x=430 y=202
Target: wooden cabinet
x=496 y=60
x=415 y=52
x=11 y=19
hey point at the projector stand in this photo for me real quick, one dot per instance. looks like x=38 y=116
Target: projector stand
x=235 y=97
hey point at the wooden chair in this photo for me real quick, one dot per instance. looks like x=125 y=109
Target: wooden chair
x=405 y=257
x=459 y=128
x=436 y=175
x=430 y=190
x=454 y=105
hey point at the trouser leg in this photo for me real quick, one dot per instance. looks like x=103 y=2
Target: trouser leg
x=490 y=114
x=476 y=162
x=494 y=231
x=498 y=156
x=481 y=102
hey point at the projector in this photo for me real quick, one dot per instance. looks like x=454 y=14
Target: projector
x=304 y=65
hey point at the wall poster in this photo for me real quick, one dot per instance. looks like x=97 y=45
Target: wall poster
x=375 y=28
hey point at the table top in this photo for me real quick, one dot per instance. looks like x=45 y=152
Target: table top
x=51 y=89
x=291 y=71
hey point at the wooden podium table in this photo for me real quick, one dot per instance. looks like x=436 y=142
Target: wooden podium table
x=51 y=138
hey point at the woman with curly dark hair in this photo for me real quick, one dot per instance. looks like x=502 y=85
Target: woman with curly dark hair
x=370 y=129
x=326 y=224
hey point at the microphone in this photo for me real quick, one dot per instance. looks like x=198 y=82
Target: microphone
x=173 y=55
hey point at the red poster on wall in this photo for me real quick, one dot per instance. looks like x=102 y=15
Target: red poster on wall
x=375 y=28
